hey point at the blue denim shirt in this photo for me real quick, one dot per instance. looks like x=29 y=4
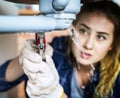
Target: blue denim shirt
x=65 y=71
x=4 y=85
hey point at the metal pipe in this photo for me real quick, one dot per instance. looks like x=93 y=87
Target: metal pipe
x=31 y=23
x=59 y=5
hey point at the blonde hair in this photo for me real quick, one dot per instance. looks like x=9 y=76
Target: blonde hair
x=109 y=70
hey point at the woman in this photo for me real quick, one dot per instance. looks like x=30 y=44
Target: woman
x=97 y=26
x=87 y=61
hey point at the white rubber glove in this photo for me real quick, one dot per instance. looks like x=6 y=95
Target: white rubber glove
x=43 y=79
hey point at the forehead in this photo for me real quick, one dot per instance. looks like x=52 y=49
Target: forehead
x=93 y=14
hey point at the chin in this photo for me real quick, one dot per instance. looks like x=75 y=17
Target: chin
x=84 y=62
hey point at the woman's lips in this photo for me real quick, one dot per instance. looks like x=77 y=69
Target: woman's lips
x=85 y=55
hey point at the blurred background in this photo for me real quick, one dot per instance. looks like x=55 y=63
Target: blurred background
x=11 y=43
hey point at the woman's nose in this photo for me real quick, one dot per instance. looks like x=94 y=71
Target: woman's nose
x=89 y=43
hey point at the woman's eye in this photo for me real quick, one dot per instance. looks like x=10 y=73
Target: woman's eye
x=101 y=37
x=83 y=31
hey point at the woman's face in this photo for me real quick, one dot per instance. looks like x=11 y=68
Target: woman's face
x=94 y=36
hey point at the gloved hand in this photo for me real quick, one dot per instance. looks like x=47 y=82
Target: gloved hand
x=43 y=79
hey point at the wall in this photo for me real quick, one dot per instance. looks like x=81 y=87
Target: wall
x=10 y=46
x=8 y=50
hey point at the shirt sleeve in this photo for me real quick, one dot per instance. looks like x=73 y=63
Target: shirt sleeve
x=59 y=44
x=5 y=85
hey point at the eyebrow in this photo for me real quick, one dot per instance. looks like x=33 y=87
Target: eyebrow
x=85 y=26
x=105 y=33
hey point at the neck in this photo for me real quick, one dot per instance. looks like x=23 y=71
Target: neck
x=84 y=74
x=83 y=68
